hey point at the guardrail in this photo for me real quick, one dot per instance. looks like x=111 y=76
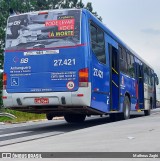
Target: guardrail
x=7 y=115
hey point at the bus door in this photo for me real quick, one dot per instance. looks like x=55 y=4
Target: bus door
x=114 y=78
x=140 y=90
x=99 y=69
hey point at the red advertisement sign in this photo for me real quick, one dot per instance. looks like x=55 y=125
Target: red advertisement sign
x=63 y=25
x=60 y=34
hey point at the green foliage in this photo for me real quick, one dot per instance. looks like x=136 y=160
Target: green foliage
x=80 y=4
x=5 y=119
x=3 y=19
x=21 y=116
x=0 y=91
x=90 y=8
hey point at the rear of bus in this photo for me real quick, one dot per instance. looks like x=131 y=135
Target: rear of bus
x=45 y=66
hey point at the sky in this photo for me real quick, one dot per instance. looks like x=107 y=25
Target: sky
x=136 y=22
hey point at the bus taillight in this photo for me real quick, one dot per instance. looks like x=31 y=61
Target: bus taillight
x=4 y=80
x=83 y=77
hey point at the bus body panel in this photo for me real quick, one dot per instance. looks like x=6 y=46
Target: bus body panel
x=51 y=73
x=44 y=73
x=100 y=78
x=139 y=84
x=55 y=98
x=100 y=85
x=148 y=96
x=114 y=85
x=128 y=85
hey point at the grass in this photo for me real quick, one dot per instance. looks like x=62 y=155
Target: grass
x=5 y=119
x=21 y=116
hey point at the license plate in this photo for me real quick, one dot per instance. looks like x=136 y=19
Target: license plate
x=41 y=101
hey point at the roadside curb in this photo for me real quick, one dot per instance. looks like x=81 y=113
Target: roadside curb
x=58 y=118
x=6 y=123
x=8 y=115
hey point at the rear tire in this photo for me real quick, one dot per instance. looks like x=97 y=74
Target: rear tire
x=49 y=116
x=126 y=109
x=147 y=112
x=75 y=118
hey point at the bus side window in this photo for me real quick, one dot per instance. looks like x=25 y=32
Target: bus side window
x=131 y=69
x=121 y=56
x=152 y=78
x=114 y=59
x=123 y=61
x=93 y=34
x=146 y=75
x=98 y=43
x=149 y=73
x=132 y=66
x=140 y=72
x=128 y=64
x=100 y=37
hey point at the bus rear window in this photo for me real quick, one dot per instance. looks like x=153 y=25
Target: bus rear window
x=52 y=29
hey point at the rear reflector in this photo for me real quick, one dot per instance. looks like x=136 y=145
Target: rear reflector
x=83 y=77
x=43 y=13
x=137 y=106
x=4 y=97
x=80 y=95
x=4 y=80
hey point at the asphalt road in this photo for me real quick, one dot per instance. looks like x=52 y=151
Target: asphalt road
x=139 y=134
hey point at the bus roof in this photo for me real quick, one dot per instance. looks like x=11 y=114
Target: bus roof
x=44 y=11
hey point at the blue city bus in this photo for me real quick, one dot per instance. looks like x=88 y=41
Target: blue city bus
x=67 y=63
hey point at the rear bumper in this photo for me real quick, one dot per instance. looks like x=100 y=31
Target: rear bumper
x=81 y=97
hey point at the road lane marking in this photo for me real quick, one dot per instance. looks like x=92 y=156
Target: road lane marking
x=15 y=133
x=30 y=138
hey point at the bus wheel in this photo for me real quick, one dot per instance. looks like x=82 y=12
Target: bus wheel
x=74 y=118
x=126 y=109
x=49 y=116
x=148 y=112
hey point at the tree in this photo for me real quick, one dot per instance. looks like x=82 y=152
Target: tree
x=3 y=19
x=77 y=4
x=90 y=8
